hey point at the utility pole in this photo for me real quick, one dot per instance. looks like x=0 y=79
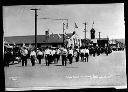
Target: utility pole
x=107 y=41
x=85 y=30
x=99 y=39
x=63 y=34
x=35 y=28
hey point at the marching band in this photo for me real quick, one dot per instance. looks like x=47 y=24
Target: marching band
x=53 y=55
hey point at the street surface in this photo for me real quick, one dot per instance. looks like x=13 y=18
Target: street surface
x=99 y=71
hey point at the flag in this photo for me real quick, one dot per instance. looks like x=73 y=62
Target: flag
x=76 y=25
x=14 y=43
x=93 y=22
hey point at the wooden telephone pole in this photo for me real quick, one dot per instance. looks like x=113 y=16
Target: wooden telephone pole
x=85 y=30
x=99 y=39
x=35 y=27
x=63 y=35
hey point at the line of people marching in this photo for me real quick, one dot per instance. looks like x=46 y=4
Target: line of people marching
x=52 y=55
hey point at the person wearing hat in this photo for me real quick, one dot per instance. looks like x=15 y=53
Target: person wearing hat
x=24 y=53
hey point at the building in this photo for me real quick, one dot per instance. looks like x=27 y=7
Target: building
x=117 y=43
x=92 y=41
x=51 y=40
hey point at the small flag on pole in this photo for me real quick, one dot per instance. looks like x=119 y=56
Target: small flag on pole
x=93 y=24
x=14 y=43
x=76 y=25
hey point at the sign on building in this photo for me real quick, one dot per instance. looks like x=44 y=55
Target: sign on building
x=94 y=40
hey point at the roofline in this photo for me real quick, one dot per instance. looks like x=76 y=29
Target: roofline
x=34 y=35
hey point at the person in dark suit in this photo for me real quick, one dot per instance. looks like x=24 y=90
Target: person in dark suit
x=7 y=58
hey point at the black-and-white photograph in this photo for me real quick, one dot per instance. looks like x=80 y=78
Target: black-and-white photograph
x=64 y=46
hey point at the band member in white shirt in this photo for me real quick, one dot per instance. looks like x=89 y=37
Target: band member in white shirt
x=53 y=55
x=76 y=54
x=33 y=57
x=82 y=51
x=70 y=55
x=39 y=55
x=47 y=56
x=86 y=53
x=24 y=53
x=58 y=54
x=64 y=57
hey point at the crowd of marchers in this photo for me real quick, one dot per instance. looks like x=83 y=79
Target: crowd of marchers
x=52 y=55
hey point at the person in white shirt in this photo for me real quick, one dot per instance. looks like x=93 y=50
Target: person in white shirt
x=33 y=57
x=82 y=51
x=86 y=54
x=39 y=55
x=58 y=54
x=53 y=55
x=24 y=53
x=64 y=57
x=76 y=54
x=70 y=55
x=47 y=56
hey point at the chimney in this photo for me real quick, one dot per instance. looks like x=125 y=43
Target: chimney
x=47 y=35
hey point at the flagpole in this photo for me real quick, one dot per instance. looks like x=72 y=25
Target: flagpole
x=75 y=26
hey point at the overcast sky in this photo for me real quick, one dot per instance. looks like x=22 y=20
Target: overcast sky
x=108 y=19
